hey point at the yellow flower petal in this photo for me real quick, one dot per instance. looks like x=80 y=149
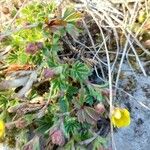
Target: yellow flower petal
x=120 y=117
x=117 y=114
x=2 y=129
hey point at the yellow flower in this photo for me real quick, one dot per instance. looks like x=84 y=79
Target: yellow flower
x=2 y=129
x=120 y=117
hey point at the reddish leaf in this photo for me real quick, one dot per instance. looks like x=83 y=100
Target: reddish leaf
x=88 y=114
x=32 y=144
x=92 y=113
x=81 y=115
x=15 y=67
x=56 y=24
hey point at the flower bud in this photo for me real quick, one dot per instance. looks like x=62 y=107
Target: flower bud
x=39 y=45
x=48 y=73
x=100 y=108
x=58 y=137
x=31 y=48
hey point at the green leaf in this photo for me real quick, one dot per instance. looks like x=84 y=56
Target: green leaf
x=71 y=90
x=58 y=70
x=55 y=39
x=80 y=148
x=44 y=123
x=34 y=144
x=95 y=93
x=82 y=133
x=23 y=138
x=59 y=84
x=3 y=100
x=64 y=105
x=70 y=145
x=99 y=143
x=23 y=58
x=29 y=118
x=37 y=12
x=70 y=15
x=72 y=30
x=71 y=125
x=55 y=47
x=90 y=100
x=43 y=128
x=79 y=71
x=12 y=57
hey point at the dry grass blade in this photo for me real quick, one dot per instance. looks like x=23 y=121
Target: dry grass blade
x=27 y=87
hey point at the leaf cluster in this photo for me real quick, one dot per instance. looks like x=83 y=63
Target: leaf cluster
x=66 y=100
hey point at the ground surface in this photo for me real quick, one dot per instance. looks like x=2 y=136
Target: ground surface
x=136 y=136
